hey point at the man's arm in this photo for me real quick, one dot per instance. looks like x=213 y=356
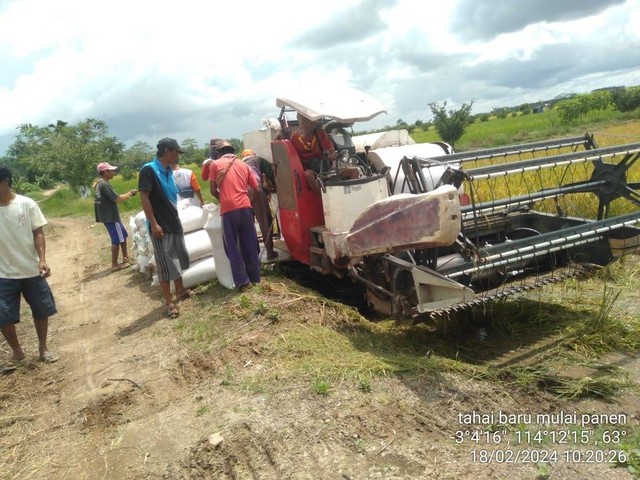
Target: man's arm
x=106 y=190
x=156 y=229
x=205 y=169
x=213 y=187
x=41 y=249
x=126 y=196
x=196 y=188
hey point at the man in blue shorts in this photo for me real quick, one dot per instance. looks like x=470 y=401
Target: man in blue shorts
x=106 y=210
x=23 y=269
x=159 y=199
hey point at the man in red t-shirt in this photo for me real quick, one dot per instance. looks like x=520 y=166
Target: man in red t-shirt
x=314 y=148
x=212 y=156
x=231 y=182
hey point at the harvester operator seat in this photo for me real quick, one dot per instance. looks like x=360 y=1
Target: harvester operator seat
x=340 y=137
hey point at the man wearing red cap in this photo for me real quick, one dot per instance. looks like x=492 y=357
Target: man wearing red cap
x=106 y=210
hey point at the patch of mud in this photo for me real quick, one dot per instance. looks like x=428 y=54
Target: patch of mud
x=194 y=368
x=241 y=453
x=108 y=411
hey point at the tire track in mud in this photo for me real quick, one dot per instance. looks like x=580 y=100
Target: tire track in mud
x=75 y=334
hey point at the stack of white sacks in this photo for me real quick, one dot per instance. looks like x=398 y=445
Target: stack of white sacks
x=203 y=240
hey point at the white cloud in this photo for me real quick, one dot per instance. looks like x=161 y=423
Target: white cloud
x=194 y=69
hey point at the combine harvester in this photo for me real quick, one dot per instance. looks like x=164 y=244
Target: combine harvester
x=427 y=233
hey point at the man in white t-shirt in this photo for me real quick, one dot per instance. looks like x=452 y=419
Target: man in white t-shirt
x=23 y=269
x=188 y=186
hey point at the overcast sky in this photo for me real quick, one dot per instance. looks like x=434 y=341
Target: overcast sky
x=196 y=69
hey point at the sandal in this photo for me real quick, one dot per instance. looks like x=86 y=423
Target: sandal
x=183 y=296
x=11 y=365
x=49 y=357
x=172 y=311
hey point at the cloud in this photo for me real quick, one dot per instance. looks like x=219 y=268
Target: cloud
x=152 y=69
x=350 y=24
x=486 y=19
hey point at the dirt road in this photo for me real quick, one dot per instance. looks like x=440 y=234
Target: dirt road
x=127 y=401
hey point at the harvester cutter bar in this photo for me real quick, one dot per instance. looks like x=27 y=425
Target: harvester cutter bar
x=530 y=283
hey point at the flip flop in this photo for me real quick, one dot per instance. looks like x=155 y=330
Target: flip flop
x=49 y=357
x=10 y=366
x=8 y=369
x=184 y=296
x=172 y=312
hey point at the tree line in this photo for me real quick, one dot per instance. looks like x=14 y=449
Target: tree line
x=42 y=157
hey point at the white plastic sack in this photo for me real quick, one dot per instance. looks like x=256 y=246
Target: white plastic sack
x=139 y=220
x=198 y=245
x=200 y=271
x=192 y=218
x=132 y=224
x=143 y=263
x=213 y=227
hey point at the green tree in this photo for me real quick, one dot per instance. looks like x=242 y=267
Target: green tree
x=626 y=99
x=135 y=157
x=451 y=124
x=64 y=152
x=192 y=153
x=237 y=144
x=570 y=110
x=573 y=109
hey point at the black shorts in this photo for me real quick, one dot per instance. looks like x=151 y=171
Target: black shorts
x=35 y=291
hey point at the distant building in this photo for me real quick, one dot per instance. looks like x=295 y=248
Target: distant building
x=538 y=108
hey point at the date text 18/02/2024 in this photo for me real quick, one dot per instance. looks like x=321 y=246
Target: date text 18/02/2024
x=557 y=437
x=547 y=455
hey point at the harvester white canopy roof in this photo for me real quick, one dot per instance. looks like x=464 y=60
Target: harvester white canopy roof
x=344 y=105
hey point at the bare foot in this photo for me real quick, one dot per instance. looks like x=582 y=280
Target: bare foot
x=17 y=357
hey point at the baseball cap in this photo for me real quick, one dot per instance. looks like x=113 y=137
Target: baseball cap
x=169 y=144
x=104 y=166
x=222 y=146
x=247 y=152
